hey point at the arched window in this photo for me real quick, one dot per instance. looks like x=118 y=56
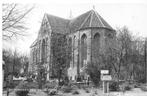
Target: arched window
x=39 y=50
x=46 y=51
x=74 y=47
x=43 y=51
x=96 y=44
x=70 y=45
x=83 y=49
x=74 y=43
x=33 y=53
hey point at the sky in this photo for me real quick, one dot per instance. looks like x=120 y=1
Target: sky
x=117 y=14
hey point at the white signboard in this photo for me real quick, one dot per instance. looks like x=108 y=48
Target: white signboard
x=106 y=77
x=104 y=71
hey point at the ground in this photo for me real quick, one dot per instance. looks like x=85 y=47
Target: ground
x=93 y=92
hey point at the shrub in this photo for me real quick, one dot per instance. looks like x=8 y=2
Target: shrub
x=29 y=80
x=66 y=80
x=95 y=92
x=74 y=87
x=94 y=73
x=136 y=86
x=22 y=89
x=53 y=92
x=87 y=91
x=32 y=85
x=50 y=85
x=142 y=80
x=11 y=85
x=75 y=92
x=113 y=86
x=66 y=89
x=127 y=88
x=144 y=88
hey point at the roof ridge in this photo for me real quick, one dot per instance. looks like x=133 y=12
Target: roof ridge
x=99 y=18
x=57 y=16
x=91 y=18
x=85 y=20
x=79 y=16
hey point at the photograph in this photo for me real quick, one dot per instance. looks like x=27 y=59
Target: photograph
x=76 y=48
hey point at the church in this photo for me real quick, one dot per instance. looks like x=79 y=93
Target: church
x=88 y=35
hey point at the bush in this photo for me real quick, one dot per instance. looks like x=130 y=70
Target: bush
x=22 y=93
x=87 y=91
x=22 y=89
x=66 y=89
x=32 y=85
x=11 y=85
x=29 y=80
x=50 y=85
x=127 y=88
x=144 y=88
x=74 y=87
x=113 y=86
x=142 y=80
x=53 y=92
x=75 y=92
x=94 y=73
x=136 y=86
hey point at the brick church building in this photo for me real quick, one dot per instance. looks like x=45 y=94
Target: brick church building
x=89 y=35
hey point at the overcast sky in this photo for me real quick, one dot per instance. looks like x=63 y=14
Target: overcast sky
x=132 y=15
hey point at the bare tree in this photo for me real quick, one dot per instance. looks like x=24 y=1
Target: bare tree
x=13 y=20
x=127 y=60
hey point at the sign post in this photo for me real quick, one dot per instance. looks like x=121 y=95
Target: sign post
x=105 y=78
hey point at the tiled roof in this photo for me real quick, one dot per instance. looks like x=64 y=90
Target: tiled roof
x=34 y=43
x=59 y=25
x=86 y=20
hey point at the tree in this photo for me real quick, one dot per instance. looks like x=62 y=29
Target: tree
x=24 y=64
x=127 y=59
x=14 y=62
x=61 y=55
x=93 y=69
x=124 y=58
x=13 y=20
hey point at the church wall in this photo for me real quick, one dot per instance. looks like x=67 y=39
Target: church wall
x=76 y=54
x=87 y=32
x=72 y=71
x=36 y=50
x=102 y=37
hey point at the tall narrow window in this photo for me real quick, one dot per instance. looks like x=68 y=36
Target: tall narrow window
x=33 y=53
x=83 y=49
x=39 y=51
x=96 y=44
x=74 y=48
x=70 y=46
x=46 y=51
x=43 y=51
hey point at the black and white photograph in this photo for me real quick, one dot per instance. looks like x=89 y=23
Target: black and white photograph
x=74 y=48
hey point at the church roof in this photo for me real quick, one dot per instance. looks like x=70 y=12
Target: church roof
x=58 y=25
x=34 y=43
x=90 y=19
x=86 y=20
